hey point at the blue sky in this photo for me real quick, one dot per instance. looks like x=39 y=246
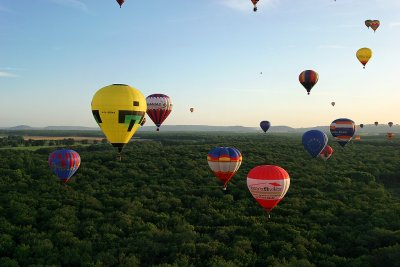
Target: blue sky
x=206 y=54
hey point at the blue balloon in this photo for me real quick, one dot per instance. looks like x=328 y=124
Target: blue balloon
x=314 y=142
x=265 y=125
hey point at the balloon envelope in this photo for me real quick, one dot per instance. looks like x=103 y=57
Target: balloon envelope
x=268 y=184
x=119 y=110
x=314 y=141
x=343 y=130
x=374 y=24
x=390 y=136
x=120 y=2
x=224 y=162
x=308 y=79
x=64 y=163
x=326 y=153
x=159 y=106
x=265 y=125
x=363 y=55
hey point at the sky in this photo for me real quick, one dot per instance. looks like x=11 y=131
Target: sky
x=205 y=54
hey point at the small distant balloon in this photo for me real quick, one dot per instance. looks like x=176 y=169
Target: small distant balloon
x=254 y=5
x=120 y=2
x=374 y=24
x=390 y=136
x=361 y=125
x=314 y=141
x=191 y=109
x=376 y=123
x=390 y=124
x=363 y=55
x=265 y=125
x=333 y=104
x=308 y=79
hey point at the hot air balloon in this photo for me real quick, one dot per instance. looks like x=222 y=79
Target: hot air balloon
x=390 y=136
x=224 y=162
x=343 y=130
x=374 y=25
x=120 y=2
x=376 y=123
x=119 y=110
x=390 y=124
x=333 y=104
x=191 y=109
x=326 y=153
x=254 y=4
x=268 y=184
x=314 y=141
x=363 y=55
x=361 y=125
x=357 y=138
x=64 y=163
x=308 y=79
x=159 y=106
x=265 y=125
x=368 y=23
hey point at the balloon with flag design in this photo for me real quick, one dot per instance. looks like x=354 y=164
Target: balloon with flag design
x=64 y=163
x=159 y=106
x=268 y=184
x=314 y=141
x=224 y=162
x=343 y=130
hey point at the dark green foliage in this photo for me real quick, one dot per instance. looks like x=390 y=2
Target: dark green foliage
x=161 y=206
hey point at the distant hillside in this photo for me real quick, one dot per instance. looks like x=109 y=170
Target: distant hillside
x=368 y=129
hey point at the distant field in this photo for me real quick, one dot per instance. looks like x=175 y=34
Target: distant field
x=77 y=138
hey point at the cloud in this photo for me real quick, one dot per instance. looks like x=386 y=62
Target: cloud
x=245 y=5
x=7 y=74
x=71 y=3
x=332 y=46
x=395 y=24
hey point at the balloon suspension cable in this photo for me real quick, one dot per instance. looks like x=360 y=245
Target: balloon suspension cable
x=268 y=214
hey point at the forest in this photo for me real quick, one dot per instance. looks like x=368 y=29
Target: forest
x=162 y=206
